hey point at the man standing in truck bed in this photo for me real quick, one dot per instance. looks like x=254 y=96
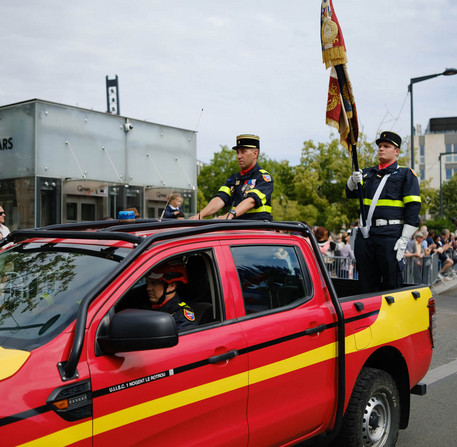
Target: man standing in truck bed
x=248 y=193
x=392 y=219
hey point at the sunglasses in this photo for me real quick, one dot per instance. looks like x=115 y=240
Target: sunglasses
x=2 y=213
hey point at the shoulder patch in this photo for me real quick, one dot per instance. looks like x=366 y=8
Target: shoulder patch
x=189 y=315
x=412 y=170
x=266 y=177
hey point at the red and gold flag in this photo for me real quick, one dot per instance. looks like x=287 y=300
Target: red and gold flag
x=341 y=111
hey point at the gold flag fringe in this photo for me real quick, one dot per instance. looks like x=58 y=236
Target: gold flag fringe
x=343 y=136
x=334 y=56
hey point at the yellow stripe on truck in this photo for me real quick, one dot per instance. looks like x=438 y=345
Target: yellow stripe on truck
x=380 y=333
x=66 y=436
x=169 y=402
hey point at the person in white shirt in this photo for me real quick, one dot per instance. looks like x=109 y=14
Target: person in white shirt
x=4 y=231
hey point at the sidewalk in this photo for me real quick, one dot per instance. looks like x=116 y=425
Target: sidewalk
x=440 y=286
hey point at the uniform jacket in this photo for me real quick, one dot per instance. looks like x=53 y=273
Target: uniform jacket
x=400 y=198
x=182 y=313
x=258 y=184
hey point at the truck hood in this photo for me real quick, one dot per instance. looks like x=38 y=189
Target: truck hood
x=11 y=361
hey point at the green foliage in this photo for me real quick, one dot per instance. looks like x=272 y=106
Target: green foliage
x=321 y=178
x=430 y=198
x=439 y=224
x=213 y=175
x=449 y=197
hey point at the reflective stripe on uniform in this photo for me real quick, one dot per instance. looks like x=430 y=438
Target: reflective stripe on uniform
x=226 y=189
x=409 y=199
x=260 y=195
x=395 y=203
x=260 y=209
x=385 y=202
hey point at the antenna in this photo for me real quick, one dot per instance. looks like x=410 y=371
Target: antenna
x=168 y=200
x=196 y=127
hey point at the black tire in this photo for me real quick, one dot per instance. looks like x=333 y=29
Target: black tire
x=373 y=414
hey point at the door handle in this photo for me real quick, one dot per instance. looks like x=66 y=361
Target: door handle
x=315 y=330
x=223 y=357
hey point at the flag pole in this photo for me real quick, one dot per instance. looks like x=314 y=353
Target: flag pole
x=342 y=81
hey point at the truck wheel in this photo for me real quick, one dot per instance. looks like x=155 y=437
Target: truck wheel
x=373 y=414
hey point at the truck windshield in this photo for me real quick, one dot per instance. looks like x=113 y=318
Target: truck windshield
x=42 y=286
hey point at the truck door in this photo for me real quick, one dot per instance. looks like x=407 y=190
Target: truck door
x=291 y=343
x=178 y=396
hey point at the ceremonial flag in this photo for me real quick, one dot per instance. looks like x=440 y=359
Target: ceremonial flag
x=341 y=112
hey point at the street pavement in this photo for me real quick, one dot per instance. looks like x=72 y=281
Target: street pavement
x=433 y=420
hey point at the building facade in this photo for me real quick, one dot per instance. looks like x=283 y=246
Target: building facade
x=63 y=164
x=436 y=151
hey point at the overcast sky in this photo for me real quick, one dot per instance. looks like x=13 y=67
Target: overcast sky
x=253 y=66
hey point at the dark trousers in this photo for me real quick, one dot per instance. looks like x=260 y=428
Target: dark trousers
x=377 y=263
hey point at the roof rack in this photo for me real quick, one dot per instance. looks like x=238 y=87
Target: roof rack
x=20 y=235
x=98 y=224
x=181 y=227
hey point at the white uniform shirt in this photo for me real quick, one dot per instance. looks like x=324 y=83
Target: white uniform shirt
x=4 y=231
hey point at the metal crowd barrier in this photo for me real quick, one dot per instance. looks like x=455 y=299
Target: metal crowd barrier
x=417 y=271
x=341 y=267
x=421 y=270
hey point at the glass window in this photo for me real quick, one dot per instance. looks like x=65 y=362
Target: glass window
x=18 y=199
x=72 y=212
x=270 y=276
x=199 y=291
x=450 y=173
x=42 y=286
x=87 y=212
x=451 y=149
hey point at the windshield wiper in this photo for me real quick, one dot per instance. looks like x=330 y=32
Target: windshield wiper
x=44 y=326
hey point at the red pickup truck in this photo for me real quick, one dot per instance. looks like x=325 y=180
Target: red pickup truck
x=279 y=352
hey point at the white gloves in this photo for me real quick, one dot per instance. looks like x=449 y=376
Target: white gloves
x=355 y=178
x=406 y=235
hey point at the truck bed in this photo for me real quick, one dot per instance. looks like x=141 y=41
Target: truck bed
x=350 y=287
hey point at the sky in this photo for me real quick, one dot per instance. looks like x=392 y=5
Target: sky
x=227 y=67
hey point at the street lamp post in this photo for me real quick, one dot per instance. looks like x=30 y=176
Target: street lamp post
x=447 y=72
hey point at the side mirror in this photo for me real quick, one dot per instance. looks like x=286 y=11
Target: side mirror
x=138 y=330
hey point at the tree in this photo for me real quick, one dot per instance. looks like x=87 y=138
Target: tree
x=429 y=199
x=449 y=197
x=213 y=175
x=321 y=178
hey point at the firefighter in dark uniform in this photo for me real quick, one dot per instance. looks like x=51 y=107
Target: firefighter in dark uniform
x=163 y=296
x=395 y=218
x=248 y=193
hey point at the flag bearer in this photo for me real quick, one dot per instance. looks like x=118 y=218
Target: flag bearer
x=392 y=219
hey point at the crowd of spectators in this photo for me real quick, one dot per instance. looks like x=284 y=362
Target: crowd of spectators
x=339 y=255
x=337 y=251
x=443 y=244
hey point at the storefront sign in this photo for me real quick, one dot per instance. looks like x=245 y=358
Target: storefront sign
x=86 y=188
x=6 y=143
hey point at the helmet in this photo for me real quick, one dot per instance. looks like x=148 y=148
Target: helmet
x=169 y=273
